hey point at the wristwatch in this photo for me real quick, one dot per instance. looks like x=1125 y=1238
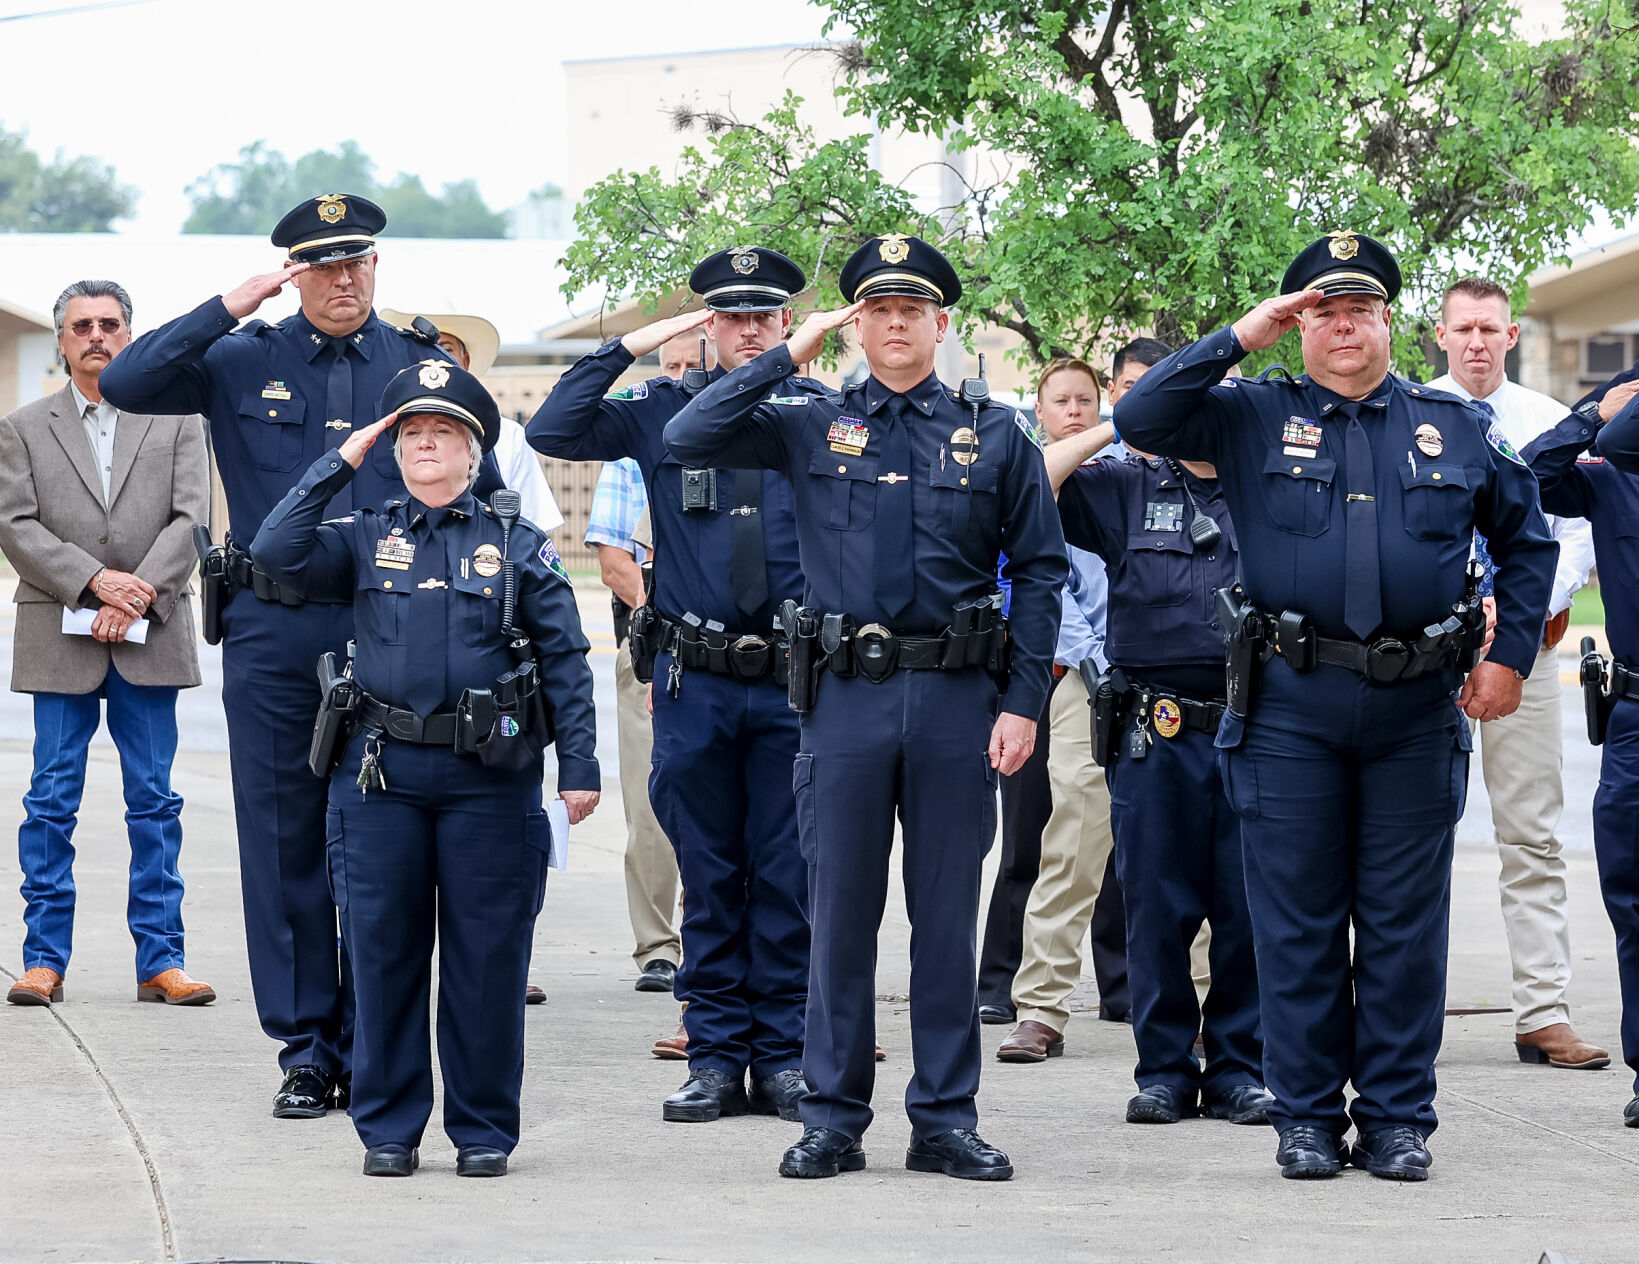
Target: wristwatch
x=1588 y=410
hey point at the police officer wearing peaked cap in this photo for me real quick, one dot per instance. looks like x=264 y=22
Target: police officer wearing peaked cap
x=724 y=739
x=1355 y=495
x=435 y=827
x=276 y=397
x=904 y=496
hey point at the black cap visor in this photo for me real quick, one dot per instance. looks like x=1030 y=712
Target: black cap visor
x=422 y=405
x=746 y=298
x=1339 y=282
x=333 y=249
x=903 y=283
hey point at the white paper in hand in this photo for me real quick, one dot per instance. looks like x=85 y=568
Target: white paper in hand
x=557 y=816
x=78 y=623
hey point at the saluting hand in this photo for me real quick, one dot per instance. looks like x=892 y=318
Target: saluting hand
x=244 y=300
x=1617 y=398
x=809 y=337
x=654 y=336
x=361 y=441
x=1491 y=692
x=1264 y=325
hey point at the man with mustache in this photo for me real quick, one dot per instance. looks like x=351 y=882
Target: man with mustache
x=97 y=510
x=724 y=738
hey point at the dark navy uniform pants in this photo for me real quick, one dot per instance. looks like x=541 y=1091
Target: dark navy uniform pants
x=452 y=850
x=721 y=789
x=1349 y=795
x=270 y=694
x=1616 y=844
x=1178 y=854
x=915 y=743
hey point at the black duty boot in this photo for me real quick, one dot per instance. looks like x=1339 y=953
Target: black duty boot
x=778 y=1094
x=961 y=1153
x=822 y=1152
x=706 y=1096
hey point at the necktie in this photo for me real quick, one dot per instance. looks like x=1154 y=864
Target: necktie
x=1362 y=583
x=338 y=407
x=1482 y=554
x=747 y=569
x=895 y=549
x=429 y=620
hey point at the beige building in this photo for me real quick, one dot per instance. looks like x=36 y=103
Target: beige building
x=1581 y=322
x=28 y=352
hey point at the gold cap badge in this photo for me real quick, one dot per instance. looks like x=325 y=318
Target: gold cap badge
x=434 y=375
x=894 y=248
x=332 y=206
x=743 y=260
x=1344 y=245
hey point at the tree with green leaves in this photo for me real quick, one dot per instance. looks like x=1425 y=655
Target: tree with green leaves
x=249 y=196
x=1163 y=160
x=65 y=195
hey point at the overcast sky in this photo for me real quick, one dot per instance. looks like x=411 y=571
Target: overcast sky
x=166 y=89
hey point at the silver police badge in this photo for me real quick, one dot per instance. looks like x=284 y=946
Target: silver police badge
x=434 y=375
x=744 y=261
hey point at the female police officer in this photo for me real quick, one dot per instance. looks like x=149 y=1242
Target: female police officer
x=435 y=808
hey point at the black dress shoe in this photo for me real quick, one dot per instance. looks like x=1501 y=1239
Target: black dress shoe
x=1243 y=1104
x=822 y=1152
x=305 y=1094
x=391 y=1160
x=778 y=1094
x=992 y=1015
x=658 y=975
x=961 y=1153
x=477 y=1160
x=341 y=1094
x=1307 y=1153
x=1162 y=1104
x=1630 y=1113
x=707 y=1095
x=1396 y=1153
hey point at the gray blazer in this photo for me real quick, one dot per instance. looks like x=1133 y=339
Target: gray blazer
x=56 y=531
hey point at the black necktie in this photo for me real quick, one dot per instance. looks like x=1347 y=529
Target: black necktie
x=338 y=407
x=895 y=550
x=1363 y=582
x=429 y=619
x=747 y=569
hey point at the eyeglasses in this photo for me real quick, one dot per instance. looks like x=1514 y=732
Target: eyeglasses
x=108 y=325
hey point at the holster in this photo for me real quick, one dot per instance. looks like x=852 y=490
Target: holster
x=215 y=588
x=1246 y=647
x=1597 y=700
x=622 y=616
x=1107 y=707
x=645 y=633
x=801 y=626
x=338 y=703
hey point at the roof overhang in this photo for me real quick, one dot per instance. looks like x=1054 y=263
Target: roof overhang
x=1595 y=292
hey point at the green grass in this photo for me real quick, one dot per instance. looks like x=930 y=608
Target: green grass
x=1588 y=607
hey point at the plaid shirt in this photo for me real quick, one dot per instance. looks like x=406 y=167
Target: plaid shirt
x=617 y=503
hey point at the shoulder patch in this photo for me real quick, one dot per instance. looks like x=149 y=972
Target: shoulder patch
x=1495 y=437
x=1030 y=426
x=549 y=555
x=639 y=391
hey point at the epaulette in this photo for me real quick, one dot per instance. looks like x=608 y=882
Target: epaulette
x=1438 y=396
x=254 y=328
x=1274 y=373
x=812 y=385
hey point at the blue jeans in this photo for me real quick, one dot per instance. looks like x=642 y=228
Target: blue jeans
x=142 y=722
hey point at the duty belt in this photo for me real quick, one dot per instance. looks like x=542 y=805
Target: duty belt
x=242 y=572
x=1167 y=712
x=402 y=725
x=704 y=645
x=876 y=653
x=1382 y=661
x=1624 y=682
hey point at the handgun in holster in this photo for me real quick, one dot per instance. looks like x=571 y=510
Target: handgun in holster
x=338 y=707
x=1470 y=613
x=1107 y=702
x=646 y=630
x=1246 y=647
x=214 y=585
x=1596 y=698
x=802 y=628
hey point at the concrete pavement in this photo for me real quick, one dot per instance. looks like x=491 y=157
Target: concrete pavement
x=138 y=1132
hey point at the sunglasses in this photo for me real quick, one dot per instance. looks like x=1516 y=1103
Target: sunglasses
x=107 y=324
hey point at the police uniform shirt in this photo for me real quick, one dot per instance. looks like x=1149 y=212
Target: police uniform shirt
x=971 y=501
x=1440 y=471
x=265 y=390
x=1134 y=515
x=419 y=576
x=581 y=421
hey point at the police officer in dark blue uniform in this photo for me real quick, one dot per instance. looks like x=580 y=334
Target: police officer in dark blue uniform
x=1355 y=495
x=724 y=739
x=465 y=623
x=906 y=495
x=1604 y=488
x=1162 y=527
x=276 y=397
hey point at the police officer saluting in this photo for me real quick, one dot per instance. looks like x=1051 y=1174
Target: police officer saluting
x=470 y=655
x=905 y=491
x=276 y=397
x=1163 y=529
x=724 y=739
x=1354 y=495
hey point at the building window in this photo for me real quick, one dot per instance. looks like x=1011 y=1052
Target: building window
x=1606 y=355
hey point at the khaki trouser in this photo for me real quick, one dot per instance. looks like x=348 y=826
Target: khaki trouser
x=1522 y=758
x=651 y=865
x=1075 y=847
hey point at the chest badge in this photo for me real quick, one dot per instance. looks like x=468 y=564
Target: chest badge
x=849 y=436
x=1429 y=441
x=1168 y=717
x=395 y=553
x=275 y=390
x=486 y=560
x=964 y=445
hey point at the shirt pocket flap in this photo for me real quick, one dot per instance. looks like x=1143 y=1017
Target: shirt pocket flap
x=976 y=478
x=1320 y=469
x=1159 y=541
x=861 y=469
x=476 y=585
x=277 y=412
x=1433 y=476
x=384 y=580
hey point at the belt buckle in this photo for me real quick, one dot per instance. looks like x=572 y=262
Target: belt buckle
x=876 y=652
x=1386 y=660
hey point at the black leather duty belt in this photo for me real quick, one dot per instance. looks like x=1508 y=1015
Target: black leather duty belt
x=438 y=729
x=1624 y=682
x=705 y=646
x=1381 y=661
x=876 y=653
x=1168 y=712
x=244 y=573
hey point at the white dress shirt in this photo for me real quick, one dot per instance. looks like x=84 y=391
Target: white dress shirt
x=99 y=420
x=1523 y=415
x=521 y=471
